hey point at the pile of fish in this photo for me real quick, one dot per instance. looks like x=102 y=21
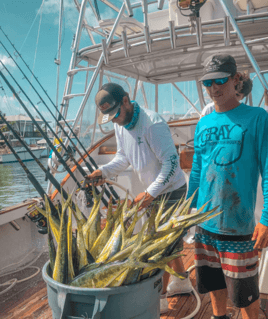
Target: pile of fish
x=95 y=257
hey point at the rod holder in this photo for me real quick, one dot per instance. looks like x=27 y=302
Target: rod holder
x=172 y=34
x=226 y=31
x=125 y=43
x=148 y=39
x=160 y=4
x=15 y=225
x=129 y=8
x=105 y=51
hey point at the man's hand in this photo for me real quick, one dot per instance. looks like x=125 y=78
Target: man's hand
x=95 y=178
x=261 y=236
x=146 y=202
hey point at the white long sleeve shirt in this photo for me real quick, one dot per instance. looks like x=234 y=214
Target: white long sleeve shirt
x=150 y=150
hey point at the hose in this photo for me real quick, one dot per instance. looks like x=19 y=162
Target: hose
x=12 y=282
x=198 y=306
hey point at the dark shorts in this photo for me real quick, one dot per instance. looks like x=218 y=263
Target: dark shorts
x=230 y=262
x=174 y=196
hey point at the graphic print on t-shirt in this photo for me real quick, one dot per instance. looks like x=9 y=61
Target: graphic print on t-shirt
x=225 y=143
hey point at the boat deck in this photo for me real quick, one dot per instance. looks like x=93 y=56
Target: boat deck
x=28 y=300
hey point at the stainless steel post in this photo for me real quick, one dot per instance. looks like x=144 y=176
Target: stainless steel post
x=242 y=40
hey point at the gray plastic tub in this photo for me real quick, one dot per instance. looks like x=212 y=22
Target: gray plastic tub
x=141 y=300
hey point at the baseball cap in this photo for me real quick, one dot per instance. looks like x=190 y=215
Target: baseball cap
x=219 y=66
x=108 y=100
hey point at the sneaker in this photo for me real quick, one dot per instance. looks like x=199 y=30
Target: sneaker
x=163 y=304
x=179 y=286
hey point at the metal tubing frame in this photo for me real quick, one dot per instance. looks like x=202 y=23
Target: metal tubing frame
x=96 y=113
x=242 y=40
x=226 y=30
x=160 y=4
x=185 y=97
x=172 y=34
x=156 y=98
x=199 y=32
x=129 y=8
x=200 y=93
x=125 y=43
x=73 y=58
x=59 y=53
x=89 y=29
x=144 y=95
x=135 y=89
x=99 y=65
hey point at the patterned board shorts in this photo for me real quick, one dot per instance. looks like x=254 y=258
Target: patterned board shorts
x=227 y=262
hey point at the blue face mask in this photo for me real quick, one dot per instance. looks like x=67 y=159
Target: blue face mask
x=135 y=117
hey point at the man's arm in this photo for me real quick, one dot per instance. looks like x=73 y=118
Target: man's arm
x=194 y=181
x=261 y=230
x=118 y=164
x=161 y=143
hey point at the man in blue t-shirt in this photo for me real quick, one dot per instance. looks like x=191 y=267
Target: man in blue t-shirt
x=230 y=152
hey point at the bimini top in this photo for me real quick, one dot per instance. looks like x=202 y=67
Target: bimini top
x=177 y=53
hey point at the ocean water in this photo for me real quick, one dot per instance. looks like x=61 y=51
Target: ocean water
x=15 y=187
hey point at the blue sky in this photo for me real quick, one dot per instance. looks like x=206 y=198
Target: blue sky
x=32 y=25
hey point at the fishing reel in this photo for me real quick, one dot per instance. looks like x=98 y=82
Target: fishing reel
x=193 y=5
x=38 y=218
x=85 y=193
x=54 y=163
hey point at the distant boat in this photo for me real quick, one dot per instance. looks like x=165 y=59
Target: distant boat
x=8 y=157
x=30 y=135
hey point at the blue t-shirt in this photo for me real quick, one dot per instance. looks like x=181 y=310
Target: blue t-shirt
x=230 y=153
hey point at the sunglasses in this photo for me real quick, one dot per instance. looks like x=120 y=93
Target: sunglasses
x=118 y=113
x=208 y=83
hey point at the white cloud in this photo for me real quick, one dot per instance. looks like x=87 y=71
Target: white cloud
x=9 y=105
x=8 y=62
x=71 y=14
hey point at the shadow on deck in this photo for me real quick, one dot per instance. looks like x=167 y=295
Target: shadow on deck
x=28 y=300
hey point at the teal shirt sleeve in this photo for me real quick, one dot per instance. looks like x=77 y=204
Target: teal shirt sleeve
x=194 y=182
x=262 y=151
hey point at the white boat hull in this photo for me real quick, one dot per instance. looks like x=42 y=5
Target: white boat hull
x=24 y=155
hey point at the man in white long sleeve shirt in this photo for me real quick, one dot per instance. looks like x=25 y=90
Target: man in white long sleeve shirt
x=143 y=141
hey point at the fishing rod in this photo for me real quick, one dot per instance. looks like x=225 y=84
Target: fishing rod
x=32 y=179
x=60 y=115
x=52 y=179
x=62 y=144
x=50 y=144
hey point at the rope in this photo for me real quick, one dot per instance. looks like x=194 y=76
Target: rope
x=12 y=282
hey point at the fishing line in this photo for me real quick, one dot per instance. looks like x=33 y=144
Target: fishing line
x=31 y=26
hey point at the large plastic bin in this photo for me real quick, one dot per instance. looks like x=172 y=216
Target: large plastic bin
x=141 y=300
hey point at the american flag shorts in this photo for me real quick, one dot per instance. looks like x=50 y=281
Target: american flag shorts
x=237 y=258
x=230 y=262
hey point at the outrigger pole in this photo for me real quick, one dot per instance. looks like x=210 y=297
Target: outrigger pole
x=50 y=144
x=60 y=115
